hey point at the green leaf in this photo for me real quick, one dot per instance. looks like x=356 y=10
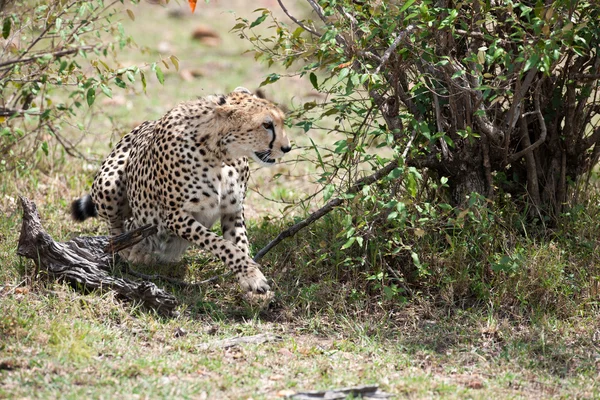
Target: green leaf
x=106 y=90
x=406 y=5
x=348 y=243
x=313 y=80
x=270 y=79
x=259 y=20
x=344 y=73
x=119 y=82
x=328 y=192
x=458 y=74
x=396 y=173
x=159 y=75
x=45 y=147
x=91 y=96
x=143 y=78
x=531 y=62
x=6 y=28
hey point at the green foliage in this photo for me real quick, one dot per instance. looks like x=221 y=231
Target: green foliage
x=58 y=57
x=488 y=110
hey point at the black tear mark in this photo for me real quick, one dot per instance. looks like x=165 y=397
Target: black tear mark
x=274 y=136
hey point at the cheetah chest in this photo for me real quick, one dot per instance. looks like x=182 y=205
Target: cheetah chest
x=221 y=192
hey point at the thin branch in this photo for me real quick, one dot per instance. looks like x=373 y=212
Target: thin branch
x=543 y=134
x=521 y=89
x=299 y=23
x=481 y=36
x=438 y=120
x=291 y=231
x=585 y=76
x=52 y=54
x=395 y=43
x=591 y=140
x=315 y=6
x=69 y=148
x=231 y=342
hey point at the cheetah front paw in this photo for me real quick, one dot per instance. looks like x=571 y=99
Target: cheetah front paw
x=251 y=279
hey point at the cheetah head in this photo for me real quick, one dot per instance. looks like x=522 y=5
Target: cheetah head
x=254 y=127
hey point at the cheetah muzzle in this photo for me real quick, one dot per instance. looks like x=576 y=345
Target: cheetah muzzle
x=184 y=172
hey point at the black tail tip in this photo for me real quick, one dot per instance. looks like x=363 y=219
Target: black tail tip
x=83 y=208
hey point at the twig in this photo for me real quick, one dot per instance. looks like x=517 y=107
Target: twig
x=438 y=120
x=363 y=392
x=393 y=46
x=543 y=130
x=318 y=10
x=481 y=36
x=69 y=148
x=54 y=54
x=300 y=24
x=291 y=231
x=409 y=144
x=231 y=342
x=522 y=88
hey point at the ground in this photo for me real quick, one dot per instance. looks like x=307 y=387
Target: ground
x=58 y=343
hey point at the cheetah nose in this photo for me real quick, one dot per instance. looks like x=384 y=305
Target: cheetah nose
x=285 y=149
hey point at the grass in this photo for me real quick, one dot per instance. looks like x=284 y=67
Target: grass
x=526 y=330
x=57 y=343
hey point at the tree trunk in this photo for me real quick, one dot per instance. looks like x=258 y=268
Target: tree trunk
x=470 y=179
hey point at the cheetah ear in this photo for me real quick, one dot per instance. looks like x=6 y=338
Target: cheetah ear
x=225 y=110
x=242 y=89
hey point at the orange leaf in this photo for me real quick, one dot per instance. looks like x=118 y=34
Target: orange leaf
x=192 y=4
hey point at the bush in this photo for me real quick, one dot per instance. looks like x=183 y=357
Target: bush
x=479 y=121
x=496 y=97
x=57 y=57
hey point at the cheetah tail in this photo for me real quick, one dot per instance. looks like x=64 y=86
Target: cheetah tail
x=83 y=208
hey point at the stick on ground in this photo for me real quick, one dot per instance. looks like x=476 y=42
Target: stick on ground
x=231 y=342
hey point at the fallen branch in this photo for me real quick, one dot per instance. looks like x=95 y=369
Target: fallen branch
x=84 y=264
x=362 y=392
x=291 y=231
x=231 y=342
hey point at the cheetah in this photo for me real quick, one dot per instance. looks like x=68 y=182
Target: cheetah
x=184 y=172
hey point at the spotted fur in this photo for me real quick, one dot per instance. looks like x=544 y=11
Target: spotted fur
x=184 y=172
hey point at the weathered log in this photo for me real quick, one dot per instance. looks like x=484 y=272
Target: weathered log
x=85 y=262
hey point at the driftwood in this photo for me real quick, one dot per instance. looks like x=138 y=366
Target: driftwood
x=362 y=392
x=86 y=262
x=231 y=342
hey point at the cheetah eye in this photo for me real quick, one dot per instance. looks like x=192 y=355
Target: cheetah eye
x=268 y=125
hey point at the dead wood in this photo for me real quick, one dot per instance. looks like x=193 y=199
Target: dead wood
x=84 y=263
x=362 y=392
x=231 y=342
